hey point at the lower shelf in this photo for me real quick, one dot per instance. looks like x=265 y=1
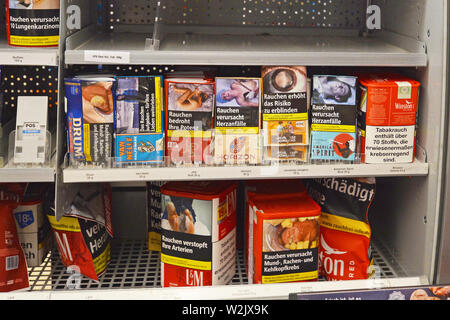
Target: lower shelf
x=134 y=273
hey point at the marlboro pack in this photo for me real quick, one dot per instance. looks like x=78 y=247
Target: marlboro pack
x=189 y=119
x=237 y=121
x=387 y=118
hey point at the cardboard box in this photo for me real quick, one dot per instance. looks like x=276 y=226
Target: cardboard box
x=333 y=117
x=285 y=239
x=139 y=124
x=237 y=121
x=189 y=119
x=387 y=118
x=90 y=119
x=285 y=105
x=198 y=233
x=34 y=232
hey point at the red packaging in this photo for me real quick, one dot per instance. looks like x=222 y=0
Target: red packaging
x=265 y=189
x=286 y=239
x=387 y=118
x=345 y=232
x=198 y=233
x=189 y=119
x=13 y=265
x=83 y=235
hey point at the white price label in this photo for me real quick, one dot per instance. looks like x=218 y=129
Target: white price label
x=29 y=58
x=119 y=57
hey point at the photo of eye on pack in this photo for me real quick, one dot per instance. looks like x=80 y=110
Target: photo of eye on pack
x=189 y=119
x=90 y=118
x=237 y=121
x=333 y=118
x=139 y=120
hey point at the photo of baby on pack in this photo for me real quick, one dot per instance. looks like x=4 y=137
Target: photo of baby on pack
x=243 y=92
x=34 y=4
x=290 y=234
x=284 y=79
x=185 y=215
x=334 y=90
x=98 y=101
x=190 y=97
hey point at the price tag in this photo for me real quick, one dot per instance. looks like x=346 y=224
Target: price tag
x=90 y=176
x=246 y=172
x=14 y=57
x=398 y=169
x=343 y=170
x=193 y=174
x=142 y=175
x=113 y=57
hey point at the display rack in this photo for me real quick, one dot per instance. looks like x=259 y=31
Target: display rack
x=134 y=274
x=74 y=175
x=151 y=36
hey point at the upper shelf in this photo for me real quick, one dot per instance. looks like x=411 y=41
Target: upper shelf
x=244 y=49
x=21 y=56
x=138 y=174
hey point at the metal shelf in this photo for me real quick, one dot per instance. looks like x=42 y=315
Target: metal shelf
x=18 y=56
x=73 y=175
x=27 y=175
x=244 y=49
x=134 y=273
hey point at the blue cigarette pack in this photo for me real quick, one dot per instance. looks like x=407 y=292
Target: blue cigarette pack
x=333 y=145
x=139 y=125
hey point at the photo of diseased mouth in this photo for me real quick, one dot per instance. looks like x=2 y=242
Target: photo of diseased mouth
x=290 y=234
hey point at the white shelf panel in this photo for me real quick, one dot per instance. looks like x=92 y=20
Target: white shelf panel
x=134 y=273
x=244 y=49
x=243 y=172
x=8 y=175
x=20 y=56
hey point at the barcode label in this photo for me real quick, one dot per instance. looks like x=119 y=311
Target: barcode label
x=12 y=262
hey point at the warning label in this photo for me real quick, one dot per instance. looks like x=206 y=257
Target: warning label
x=389 y=144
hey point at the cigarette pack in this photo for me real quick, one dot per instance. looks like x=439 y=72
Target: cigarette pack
x=139 y=125
x=387 y=118
x=189 y=120
x=285 y=105
x=333 y=117
x=237 y=121
x=90 y=119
